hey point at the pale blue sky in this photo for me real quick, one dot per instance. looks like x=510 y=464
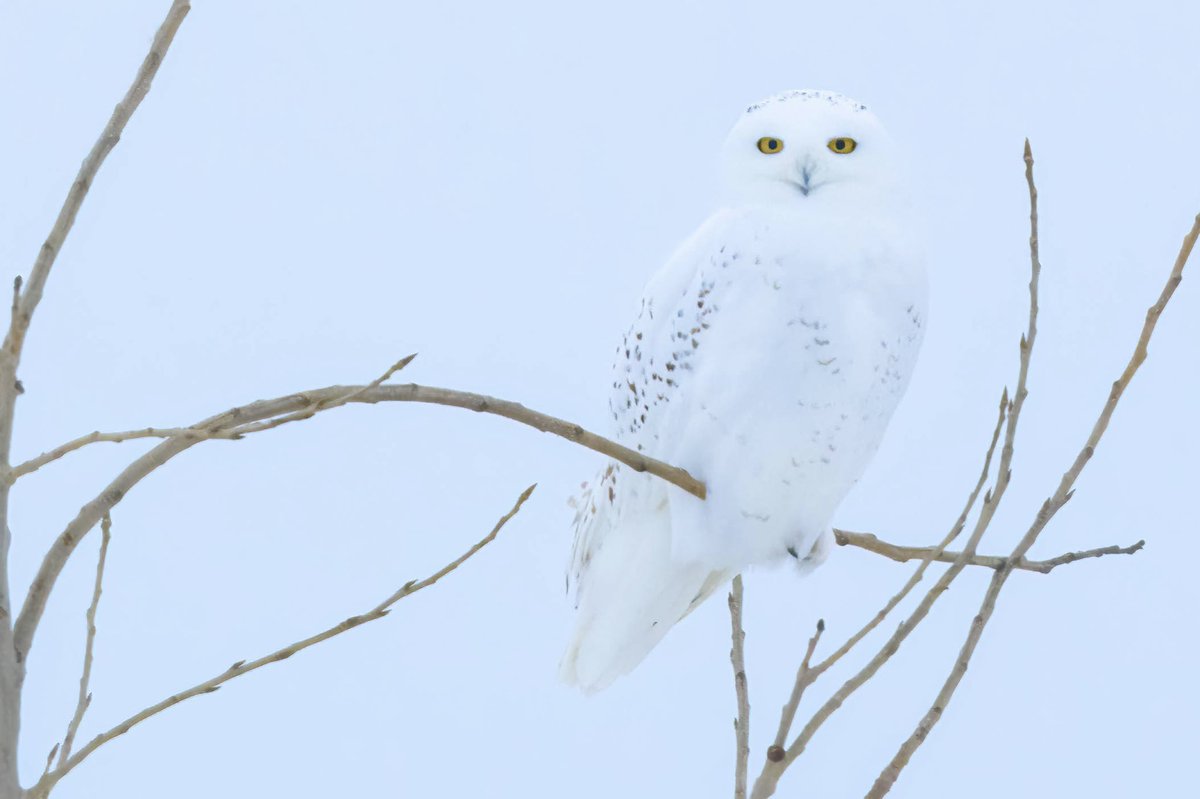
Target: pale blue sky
x=315 y=189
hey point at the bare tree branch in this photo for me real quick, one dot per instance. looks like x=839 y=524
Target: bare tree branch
x=238 y=421
x=88 y=170
x=903 y=554
x=325 y=405
x=33 y=464
x=737 y=656
x=1062 y=495
x=1048 y=565
x=43 y=786
x=804 y=678
x=481 y=403
x=85 y=696
x=50 y=760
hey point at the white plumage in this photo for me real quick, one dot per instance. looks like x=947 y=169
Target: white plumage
x=765 y=358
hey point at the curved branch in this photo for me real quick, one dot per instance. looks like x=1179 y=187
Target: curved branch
x=244 y=419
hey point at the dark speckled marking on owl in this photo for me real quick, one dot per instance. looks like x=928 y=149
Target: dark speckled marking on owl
x=686 y=332
x=809 y=95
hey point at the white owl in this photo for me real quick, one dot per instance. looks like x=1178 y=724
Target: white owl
x=765 y=358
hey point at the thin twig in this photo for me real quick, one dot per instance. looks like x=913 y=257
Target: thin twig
x=33 y=464
x=85 y=696
x=1050 y=507
x=1046 y=566
x=245 y=667
x=349 y=396
x=737 y=656
x=50 y=759
x=903 y=554
x=235 y=421
x=804 y=678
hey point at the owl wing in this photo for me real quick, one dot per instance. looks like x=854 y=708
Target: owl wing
x=629 y=589
x=653 y=364
x=651 y=370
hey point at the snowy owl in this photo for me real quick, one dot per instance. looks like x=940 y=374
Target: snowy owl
x=766 y=358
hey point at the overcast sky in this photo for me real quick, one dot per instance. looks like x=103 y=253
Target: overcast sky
x=312 y=190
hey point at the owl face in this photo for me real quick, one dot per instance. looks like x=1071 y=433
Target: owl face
x=811 y=148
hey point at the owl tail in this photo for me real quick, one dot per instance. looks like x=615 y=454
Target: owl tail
x=634 y=593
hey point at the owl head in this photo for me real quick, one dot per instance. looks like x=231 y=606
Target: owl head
x=811 y=148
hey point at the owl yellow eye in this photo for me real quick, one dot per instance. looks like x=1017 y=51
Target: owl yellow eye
x=770 y=145
x=842 y=145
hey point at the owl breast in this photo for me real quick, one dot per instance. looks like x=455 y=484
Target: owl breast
x=790 y=347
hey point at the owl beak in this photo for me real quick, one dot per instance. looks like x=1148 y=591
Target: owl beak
x=807 y=170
